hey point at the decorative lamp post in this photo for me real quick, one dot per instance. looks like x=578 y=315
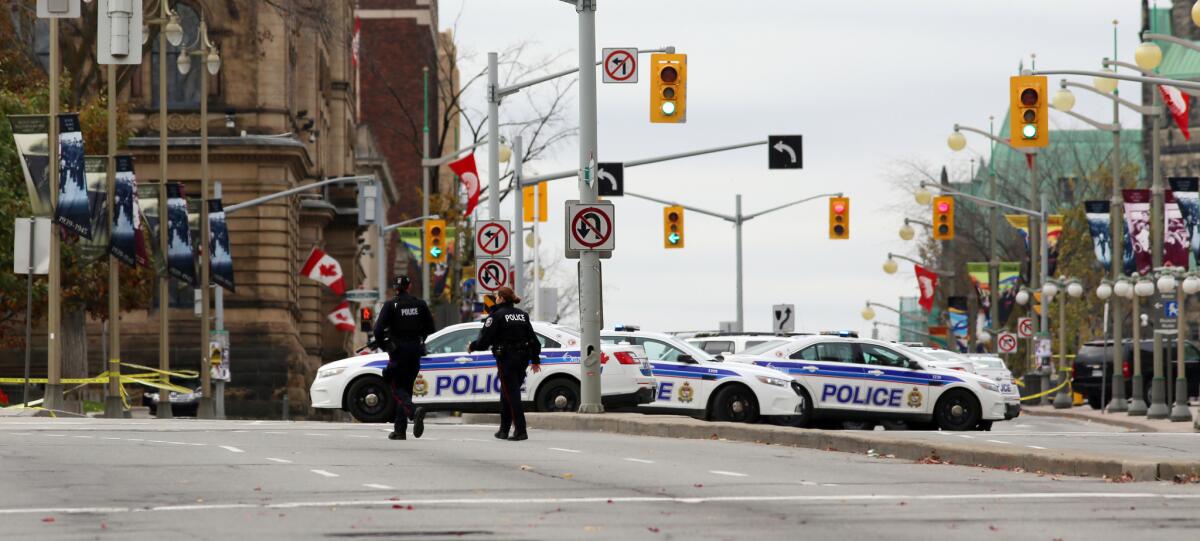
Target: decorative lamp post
x=1144 y=287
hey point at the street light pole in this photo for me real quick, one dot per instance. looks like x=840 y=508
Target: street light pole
x=52 y=399
x=425 y=187
x=737 y=213
x=590 y=308
x=113 y=407
x=518 y=230
x=164 y=281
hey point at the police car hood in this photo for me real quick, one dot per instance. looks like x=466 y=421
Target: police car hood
x=749 y=370
x=356 y=361
x=965 y=376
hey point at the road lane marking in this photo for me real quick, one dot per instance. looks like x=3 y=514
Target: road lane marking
x=380 y=487
x=82 y=437
x=314 y=434
x=136 y=439
x=324 y=473
x=273 y=432
x=998 y=441
x=1035 y=447
x=729 y=473
x=231 y=449
x=640 y=460
x=357 y=436
x=887 y=499
x=279 y=460
x=965 y=436
x=56 y=435
x=110 y=438
x=564 y=450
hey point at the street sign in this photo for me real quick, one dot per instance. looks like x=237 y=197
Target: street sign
x=785 y=152
x=491 y=274
x=1025 y=327
x=219 y=355
x=58 y=9
x=362 y=296
x=783 y=318
x=1171 y=310
x=39 y=237
x=612 y=179
x=119 y=32
x=590 y=226
x=1006 y=343
x=492 y=239
x=620 y=65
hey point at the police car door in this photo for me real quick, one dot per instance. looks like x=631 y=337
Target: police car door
x=683 y=382
x=831 y=373
x=450 y=375
x=896 y=384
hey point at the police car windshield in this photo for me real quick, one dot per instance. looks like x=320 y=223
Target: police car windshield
x=763 y=347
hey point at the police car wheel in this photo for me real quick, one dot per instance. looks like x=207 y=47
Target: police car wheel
x=369 y=400
x=957 y=410
x=558 y=395
x=858 y=425
x=735 y=404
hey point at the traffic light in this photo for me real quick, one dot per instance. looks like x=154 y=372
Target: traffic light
x=1028 y=115
x=943 y=218
x=668 y=88
x=364 y=319
x=839 y=218
x=673 y=227
x=435 y=241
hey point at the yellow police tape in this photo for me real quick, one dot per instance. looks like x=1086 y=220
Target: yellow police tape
x=1066 y=381
x=154 y=377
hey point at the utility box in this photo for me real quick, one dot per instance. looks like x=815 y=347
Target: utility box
x=58 y=9
x=119 y=32
x=368 y=203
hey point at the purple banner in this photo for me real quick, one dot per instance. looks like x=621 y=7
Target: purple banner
x=1175 y=235
x=1186 y=195
x=1137 y=219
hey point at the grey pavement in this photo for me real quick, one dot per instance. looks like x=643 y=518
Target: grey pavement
x=188 y=479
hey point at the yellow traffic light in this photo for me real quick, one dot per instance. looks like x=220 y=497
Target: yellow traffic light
x=1027 y=118
x=673 y=227
x=435 y=241
x=536 y=195
x=839 y=218
x=668 y=88
x=943 y=218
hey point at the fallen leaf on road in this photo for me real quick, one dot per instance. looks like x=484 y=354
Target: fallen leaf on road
x=568 y=475
x=714 y=437
x=1183 y=479
x=902 y=503
x=609 y=501
x=103 y=525
x=258 y=489
x=48 y=519
x=652 y=529
x=931 y=459
x=525 y=467
x=398 y=506
x=993 y=528
x=699 y=485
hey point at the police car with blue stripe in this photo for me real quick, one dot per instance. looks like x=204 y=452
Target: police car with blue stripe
x=853 y=379
x=453 y=379
x=695 y=383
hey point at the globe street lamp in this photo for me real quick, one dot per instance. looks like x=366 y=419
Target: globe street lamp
x=923 y=196
x=1147 y=56
x=1106 y=85
x=1063 y=100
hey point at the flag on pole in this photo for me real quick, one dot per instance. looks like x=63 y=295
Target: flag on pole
x=465 y=169
x=927 y=286
x=325 y=269
x=1178 y=104
x=342 y=318
x=356 y=42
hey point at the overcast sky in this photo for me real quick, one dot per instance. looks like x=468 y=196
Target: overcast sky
x=867 y=84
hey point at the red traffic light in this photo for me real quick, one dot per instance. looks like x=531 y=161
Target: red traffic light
x=839 y=207
x=943 y=206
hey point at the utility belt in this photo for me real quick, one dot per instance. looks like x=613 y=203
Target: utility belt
x=522 y=346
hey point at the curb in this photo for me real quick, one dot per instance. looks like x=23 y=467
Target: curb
x=36 y=412
x=947 y=452
x=1104 y=420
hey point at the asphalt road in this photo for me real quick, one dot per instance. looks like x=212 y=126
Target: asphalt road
x=187 y=479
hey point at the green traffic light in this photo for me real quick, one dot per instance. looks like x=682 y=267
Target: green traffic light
x=435 y=252
x=668 y=108
x=1029 y=131
x=673 y=238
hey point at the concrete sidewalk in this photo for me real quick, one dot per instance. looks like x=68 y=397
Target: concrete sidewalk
x=874 y=443
x=1135 y=423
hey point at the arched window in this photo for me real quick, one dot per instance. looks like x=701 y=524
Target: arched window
x=183 y=91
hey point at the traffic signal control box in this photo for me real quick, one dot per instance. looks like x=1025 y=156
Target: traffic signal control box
x=1028 y=115
x=943 y=218
x=435 y=241
x=668 y=88
x=673 y=227
x=839 y=218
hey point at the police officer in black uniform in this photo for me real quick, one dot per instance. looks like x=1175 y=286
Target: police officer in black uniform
x=507 y=332
x=401 y=328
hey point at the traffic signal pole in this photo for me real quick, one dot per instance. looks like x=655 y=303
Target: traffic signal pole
x=737 y=219
x=591 y=316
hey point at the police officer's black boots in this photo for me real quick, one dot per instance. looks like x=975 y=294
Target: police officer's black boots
x=396 y=436
x=502 y=434
x=519 y=436
x=418 y=422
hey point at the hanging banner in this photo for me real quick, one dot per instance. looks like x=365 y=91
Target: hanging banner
x=978 y=273
x=1176 y=239
x=1010 y=277
x=181 y=259
x=1053 y=231
x=96 y=168
x=73 y=212
x=956 y=309
x=126 y=214
x=31 y=134
x=220 y=260
x=1137 y=220
x=1099 y=217
x=1186 y=196
x=146 y=234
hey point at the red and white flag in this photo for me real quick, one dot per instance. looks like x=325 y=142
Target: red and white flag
x=342 y=318
x=356 y=41
x=1178 y=104
x=325 y=269
x=927 y=286
x=465 y=169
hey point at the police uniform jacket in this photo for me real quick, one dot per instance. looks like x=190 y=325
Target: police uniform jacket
x=507 y=328
x=405 y=318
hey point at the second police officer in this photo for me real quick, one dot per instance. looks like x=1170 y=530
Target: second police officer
x=508 y=333
x=404 y=322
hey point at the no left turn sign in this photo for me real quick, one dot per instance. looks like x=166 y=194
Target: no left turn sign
x=1006 y=343
x=620 y=65
x=1025 y=327
x=492 y=239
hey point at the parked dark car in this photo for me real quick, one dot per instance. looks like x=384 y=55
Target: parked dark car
x=182 y=405
x=1094 y=361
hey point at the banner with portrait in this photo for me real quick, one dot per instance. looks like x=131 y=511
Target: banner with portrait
x=73 y=211
x=220 y=261
x=181 y=258
x=1137 y=221
x=31 y=136
x=123 y=243
x=1187 y=197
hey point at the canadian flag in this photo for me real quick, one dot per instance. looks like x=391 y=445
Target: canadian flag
x=927 y=286
x=1178 y=104
x=465 y=169
x=325 y=269
x=342 y=318
x=356 y=42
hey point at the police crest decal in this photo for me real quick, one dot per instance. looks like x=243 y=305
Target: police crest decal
x=686 y=393
x=914 y=398
x=420 y=387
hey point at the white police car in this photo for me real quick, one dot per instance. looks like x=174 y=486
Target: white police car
x=693 y=382
x=452 y=379
x=869 y=380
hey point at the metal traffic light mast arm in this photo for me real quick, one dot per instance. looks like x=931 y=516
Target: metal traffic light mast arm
x=980 y=200
x=1102 y=126
x=391 y=227
x=910 y=221
x=1192 y=85
x=530 y=181
x=516 y=87
x=293 y=191
x=1022 y=150
x=725 y=217
x=1140 y=109
x=748 y=217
